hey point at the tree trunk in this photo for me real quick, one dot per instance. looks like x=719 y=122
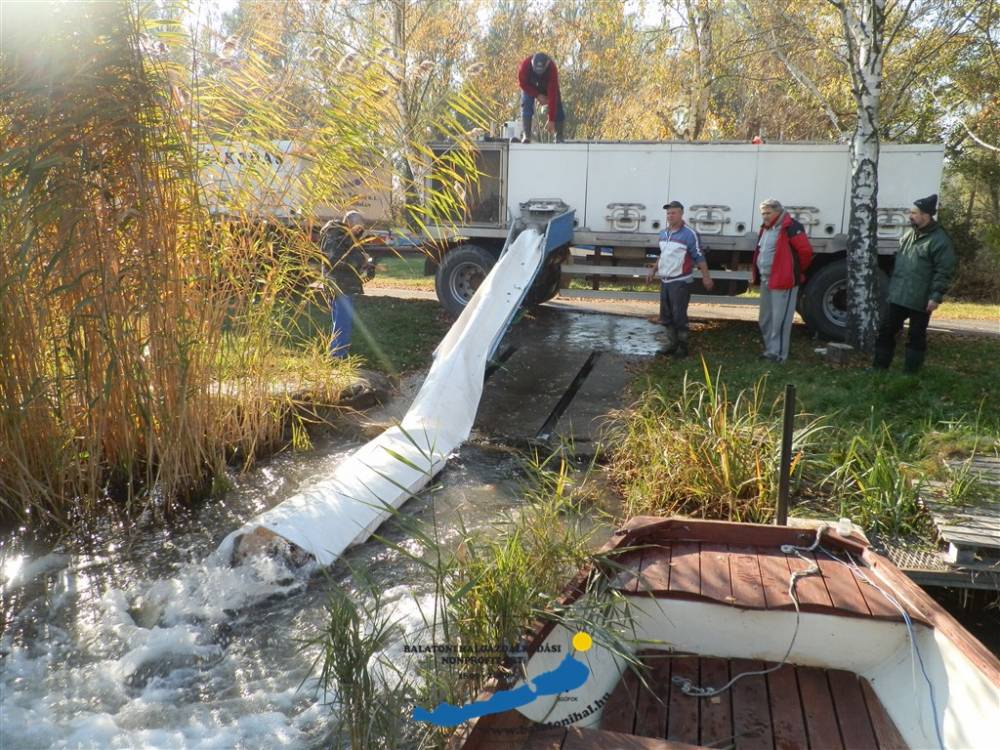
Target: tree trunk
x=864 y=32
x=699 y=15
x=862 y=232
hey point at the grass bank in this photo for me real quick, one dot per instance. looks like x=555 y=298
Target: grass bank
x=393 y=336
x=702 y=438
x=401 y=272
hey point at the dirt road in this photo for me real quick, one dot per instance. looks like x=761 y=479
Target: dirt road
x=698 y=311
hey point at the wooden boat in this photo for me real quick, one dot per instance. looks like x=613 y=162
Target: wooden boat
x=868 y=661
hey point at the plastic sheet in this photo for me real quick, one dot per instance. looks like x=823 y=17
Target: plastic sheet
x=327 y=518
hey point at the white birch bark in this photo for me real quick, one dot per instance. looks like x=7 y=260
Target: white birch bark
x=864 y=31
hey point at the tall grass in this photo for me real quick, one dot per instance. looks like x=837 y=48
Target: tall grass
x=142 y=335
x=369 y=692
x=704 y=453
x=700 y=452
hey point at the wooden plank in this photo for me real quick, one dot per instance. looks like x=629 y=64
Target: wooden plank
x=580 y=738
x=843 y=586
x=886 y=734
x=682 y=716
x=787 y=722
x=685 y=568
x=751 y=712
x=989 y=517
x=654 y=575
x=966 y=538
x=717 y=711
x=852 y=714
x=774 y=575
x=817 y=706
x=651 y=706
x=650 y=529
x=716 y=580
x=971 y=528
x=748 y=588
x=628 y=564
x=511 y=730
x=811 y=590
x=619 y=712
x=946 y=512
x=878 y=604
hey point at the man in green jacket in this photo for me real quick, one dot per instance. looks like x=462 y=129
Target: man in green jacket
x=921 y=275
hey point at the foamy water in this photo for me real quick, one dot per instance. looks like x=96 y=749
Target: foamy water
x=152 y=642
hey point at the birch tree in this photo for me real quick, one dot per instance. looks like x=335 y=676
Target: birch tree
x=864 y=34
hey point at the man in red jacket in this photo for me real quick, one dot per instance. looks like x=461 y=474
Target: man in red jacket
x=779 y=263
x=539 y=79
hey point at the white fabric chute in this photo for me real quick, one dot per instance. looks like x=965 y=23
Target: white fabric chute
x=328 y=517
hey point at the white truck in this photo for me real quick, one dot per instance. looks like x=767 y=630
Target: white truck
x=616 y=190
x=274 y=183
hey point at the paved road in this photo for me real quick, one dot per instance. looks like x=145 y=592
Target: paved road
x=698 y=311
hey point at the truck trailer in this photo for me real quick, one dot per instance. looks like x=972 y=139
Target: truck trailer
x=616 y=190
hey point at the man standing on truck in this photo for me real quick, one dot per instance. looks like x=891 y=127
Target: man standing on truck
x=349 y=267
x=780 y=261
x=680 y=249
x=920 y=278
x=538 y=78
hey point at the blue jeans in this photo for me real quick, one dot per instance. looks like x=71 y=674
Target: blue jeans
x=528 y=107
x=342 y=314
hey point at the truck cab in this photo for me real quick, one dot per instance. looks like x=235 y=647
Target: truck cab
x=617 y=188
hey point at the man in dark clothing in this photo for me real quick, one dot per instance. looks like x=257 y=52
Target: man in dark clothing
x=349 y=267
x=920 y=278
x=539 y=79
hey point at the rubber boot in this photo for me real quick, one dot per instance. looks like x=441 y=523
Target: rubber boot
x=914 y=360
x=526 y=127
x=682 y=345
x=883 y=357
x=560 y=127
x=672 y=343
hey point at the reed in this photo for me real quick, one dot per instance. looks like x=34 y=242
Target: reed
x=366 y=688
x=703 y=452
x=144 y=312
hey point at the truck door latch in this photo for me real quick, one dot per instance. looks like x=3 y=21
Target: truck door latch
x=625 y=217
x=709 y=218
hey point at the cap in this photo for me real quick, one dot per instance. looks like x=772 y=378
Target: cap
x=928 y=205
x=353 y=218
x=674 y=204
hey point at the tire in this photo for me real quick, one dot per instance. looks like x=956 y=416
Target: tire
x=459 y=275
x=824 y=303
x=545 y=287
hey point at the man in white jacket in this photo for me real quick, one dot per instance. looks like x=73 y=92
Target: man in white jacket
x=680 y=252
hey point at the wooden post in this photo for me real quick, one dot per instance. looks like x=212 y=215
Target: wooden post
x=784 y=468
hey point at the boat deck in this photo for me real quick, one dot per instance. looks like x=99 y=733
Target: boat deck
x=790 y=708
x=750 y=577
x=740 y=566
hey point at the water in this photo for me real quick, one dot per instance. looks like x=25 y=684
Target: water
x=143 y=640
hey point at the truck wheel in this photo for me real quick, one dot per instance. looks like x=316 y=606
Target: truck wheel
x=545 y=287
x=824 y=305
x=459 y=275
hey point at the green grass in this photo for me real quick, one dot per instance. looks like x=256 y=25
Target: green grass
x=961 y=310
x=391 y=335
x=957 y=381
x=406 y=272
x=875 y=438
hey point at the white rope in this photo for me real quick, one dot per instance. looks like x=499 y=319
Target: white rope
x=915 y=655
x=689 y=688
